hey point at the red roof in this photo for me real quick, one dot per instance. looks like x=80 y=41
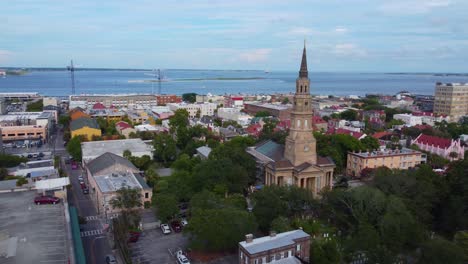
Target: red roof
x=442 y=143
x=123 y=125
x=254 y=129
x=379 y=135
x=422 y=127
x=99 y=106
x=237 y=98
x=318 y=120
x=356 y=135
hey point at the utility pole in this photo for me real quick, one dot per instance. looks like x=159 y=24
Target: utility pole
x=159 y=82
x=71 y=68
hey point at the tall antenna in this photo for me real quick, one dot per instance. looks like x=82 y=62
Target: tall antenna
x=71 y=68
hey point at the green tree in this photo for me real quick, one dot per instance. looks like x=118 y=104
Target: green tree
x=21 y=181
x=281 y=224
x=165 y=149
x=127 y=199
x=441 y=251
x=189 y=97
x=225 y=229
x=166 y=205
x=64 y=120
x=178 y=124
x=370 y=143
x=461 y=240
x=285 y=101
x=262 y=114
x=325 y=252
x=74 y=147
x=127 y=154
x=3 y=173
x=36 y=106
x=8 y=161
x=350 y=115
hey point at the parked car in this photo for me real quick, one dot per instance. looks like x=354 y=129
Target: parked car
x=85 y=190
x=165 y=229
x=83 y=185
x=80 y=178
x=46 y=200
x=176 y=226
x=41 y=154
x=30 y=156
x=74 y=166
x=110 y=259
x=134 y=236
x=181 y=258
x=184 y=222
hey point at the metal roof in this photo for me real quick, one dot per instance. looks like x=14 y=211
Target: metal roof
x=83 y=122
x=107 y=160
x=93 y=149
x=271 y=149
x=117 y=181
x=267 y=242
x=204 y=150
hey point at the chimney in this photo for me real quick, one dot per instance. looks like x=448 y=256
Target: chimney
x=272 y=233
x=248 y=238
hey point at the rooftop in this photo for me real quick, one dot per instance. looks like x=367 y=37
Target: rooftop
x=204 y=150
x=29 y=230
x=268 y=242
x=434 y=141
x=107 y=160
x=386 y=153
x=83 y=122
x=117 y=181
x=96 y=148
x=270 y=106
x=14 y=116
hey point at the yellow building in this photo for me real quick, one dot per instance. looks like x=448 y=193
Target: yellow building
x=86 y=127
x=393 y=159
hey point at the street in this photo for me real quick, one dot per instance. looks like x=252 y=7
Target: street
x=95 y=242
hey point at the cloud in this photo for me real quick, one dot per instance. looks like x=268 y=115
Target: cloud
x=348 y=50
x=257 y=55
x=411 y=7
x=341 y=30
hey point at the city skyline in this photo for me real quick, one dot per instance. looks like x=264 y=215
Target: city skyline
x=371 y=36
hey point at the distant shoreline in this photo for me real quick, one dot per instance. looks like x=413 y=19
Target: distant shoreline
x=199 y=79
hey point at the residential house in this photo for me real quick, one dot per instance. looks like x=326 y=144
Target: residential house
x=356 y=135
x=450 y=149
x=290 y=247
x=393 y=159
x=124 y=128
x=86 y=127
x=109 y=173
x=78 y=112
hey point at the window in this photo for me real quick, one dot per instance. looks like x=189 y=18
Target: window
x=289 y=253
x=256 y=261
x=298 y=124
x=298 y=247
x=146 y=195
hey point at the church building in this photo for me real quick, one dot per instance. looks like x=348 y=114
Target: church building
x=296 y=162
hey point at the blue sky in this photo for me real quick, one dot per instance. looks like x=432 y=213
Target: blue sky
x=342 y=35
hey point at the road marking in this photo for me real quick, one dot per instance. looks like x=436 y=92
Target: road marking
x=91 y=217
x=91 y=233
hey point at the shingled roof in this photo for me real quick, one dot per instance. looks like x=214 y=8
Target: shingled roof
x=83 y=122
x=107 y=160
x=442 y=143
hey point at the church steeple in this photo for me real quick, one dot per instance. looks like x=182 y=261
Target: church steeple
x=303 y=72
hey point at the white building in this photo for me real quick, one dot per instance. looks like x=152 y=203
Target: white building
x=234 y=114
x=204 y=108
x=94 y=149
x=410 y=120
x=50 y=101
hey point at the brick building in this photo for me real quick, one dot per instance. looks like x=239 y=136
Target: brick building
x=288 y=247
x=280 y=111
x=164 y=99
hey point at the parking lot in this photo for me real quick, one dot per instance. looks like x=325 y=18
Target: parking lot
x=153 y=247
x=40 y=229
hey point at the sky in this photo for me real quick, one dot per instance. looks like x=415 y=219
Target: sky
x=341 y=35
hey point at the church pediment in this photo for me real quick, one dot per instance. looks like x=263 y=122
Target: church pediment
x=307 y=167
